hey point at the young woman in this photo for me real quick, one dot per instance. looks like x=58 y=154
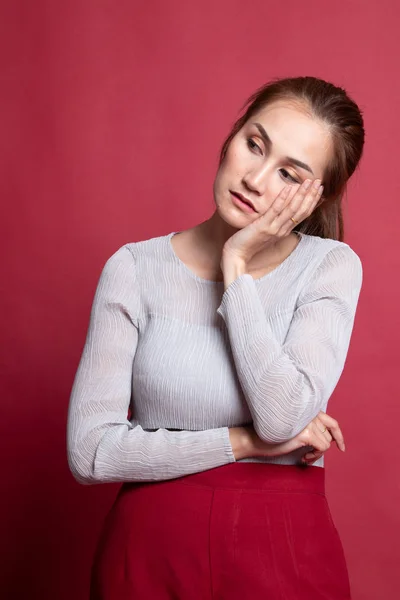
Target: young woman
x=209 y=361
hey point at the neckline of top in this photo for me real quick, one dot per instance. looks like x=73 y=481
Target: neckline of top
x=193 y=275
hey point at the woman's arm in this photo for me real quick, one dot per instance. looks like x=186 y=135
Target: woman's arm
x=103 y=445
x=286 y=385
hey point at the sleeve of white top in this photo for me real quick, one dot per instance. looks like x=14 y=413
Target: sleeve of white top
x=102 y=444
x=286 y=385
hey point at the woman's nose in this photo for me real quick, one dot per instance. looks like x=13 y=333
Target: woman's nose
x=256 y=180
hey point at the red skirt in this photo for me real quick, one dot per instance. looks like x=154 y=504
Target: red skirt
x=244 y=530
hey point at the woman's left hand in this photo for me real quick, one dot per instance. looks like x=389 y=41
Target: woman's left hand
x=291 y=203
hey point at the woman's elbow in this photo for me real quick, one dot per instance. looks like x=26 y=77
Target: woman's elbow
x=279 y=431
x=81 y=469
x=276 y=433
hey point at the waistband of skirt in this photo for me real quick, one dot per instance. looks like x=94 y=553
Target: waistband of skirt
x=269 y=477
x=256 y=476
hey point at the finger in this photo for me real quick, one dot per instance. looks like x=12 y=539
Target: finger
x=323 y=428
x=297 y=198
x=283 y=199
x=311 y=200
x=317 y=439
x=303 y=202
x=311 y=457
x=292 y=193
x=334 y=429
x=313 y=191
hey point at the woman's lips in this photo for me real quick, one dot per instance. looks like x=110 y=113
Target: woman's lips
x=237 y=200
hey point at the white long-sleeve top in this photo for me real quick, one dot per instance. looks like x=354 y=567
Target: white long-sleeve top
x=171 y=360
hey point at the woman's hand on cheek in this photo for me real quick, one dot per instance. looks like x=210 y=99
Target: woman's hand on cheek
x=293 y=202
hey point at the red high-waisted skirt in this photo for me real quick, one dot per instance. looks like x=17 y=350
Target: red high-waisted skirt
x=241 y=531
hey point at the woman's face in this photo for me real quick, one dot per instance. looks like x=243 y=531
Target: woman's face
x=281 y=144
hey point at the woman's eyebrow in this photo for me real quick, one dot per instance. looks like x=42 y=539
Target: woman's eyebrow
x=294 y=161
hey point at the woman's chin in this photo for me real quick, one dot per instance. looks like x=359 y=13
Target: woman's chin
x=233 y=217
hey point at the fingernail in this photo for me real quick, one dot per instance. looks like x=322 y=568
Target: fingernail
x=344 y=448
x=317 y=183
x=307 y=184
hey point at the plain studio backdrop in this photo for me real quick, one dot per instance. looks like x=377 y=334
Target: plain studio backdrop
x=112 y=116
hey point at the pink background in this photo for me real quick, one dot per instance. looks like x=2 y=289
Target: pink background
x=112 y=115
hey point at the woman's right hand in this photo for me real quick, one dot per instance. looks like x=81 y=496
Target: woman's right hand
x=246 y=443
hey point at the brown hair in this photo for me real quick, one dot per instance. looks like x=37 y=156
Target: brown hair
x=332 y=105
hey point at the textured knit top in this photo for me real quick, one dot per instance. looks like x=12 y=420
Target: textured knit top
x=172 y=360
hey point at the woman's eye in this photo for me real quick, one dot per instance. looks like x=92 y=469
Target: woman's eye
x=288 y=176
x=252 y=145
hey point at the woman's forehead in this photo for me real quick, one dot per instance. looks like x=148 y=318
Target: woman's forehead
x=294 y=131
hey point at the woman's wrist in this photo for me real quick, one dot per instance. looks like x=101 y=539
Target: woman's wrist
x=246 y=444
x=232 y=270
x=241 y=443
